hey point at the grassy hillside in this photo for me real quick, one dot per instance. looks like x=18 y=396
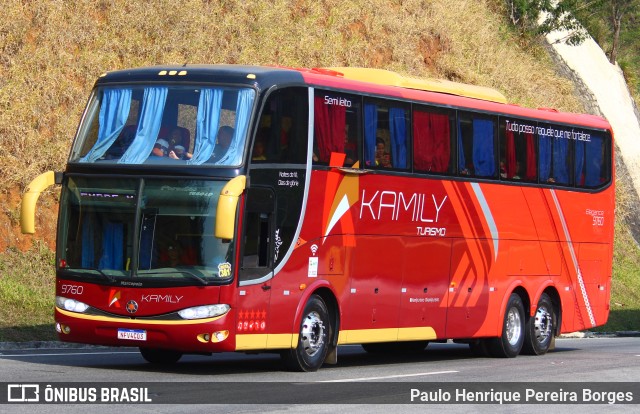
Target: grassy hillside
x=52 y=51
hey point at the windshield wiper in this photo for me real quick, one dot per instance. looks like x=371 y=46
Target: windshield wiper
x=192 y=276
x=81 y=272
x=176 y=270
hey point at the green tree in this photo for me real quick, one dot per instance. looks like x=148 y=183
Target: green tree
x=540 y=17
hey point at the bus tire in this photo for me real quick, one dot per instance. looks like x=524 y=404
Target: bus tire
x=509 y=344
x=314 y=338
x=160 y=356
x=540 y=328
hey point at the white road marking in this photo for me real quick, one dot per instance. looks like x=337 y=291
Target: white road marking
x=392 y=376
x=67 y=354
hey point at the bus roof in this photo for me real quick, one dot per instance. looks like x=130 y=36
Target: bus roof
x=389 y=78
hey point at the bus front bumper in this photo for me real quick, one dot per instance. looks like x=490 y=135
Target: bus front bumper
x=188 y=336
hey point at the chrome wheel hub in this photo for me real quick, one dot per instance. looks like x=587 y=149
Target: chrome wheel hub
x=513 y=326
x=312 y=333
x=542 y=325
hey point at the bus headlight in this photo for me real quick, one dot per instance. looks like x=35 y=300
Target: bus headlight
x=206 y=311
x=71 y=304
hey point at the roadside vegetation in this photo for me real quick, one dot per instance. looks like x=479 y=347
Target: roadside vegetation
x=51 y=52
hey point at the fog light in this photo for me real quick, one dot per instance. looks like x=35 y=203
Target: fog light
x=220 y=336
x=60 y=328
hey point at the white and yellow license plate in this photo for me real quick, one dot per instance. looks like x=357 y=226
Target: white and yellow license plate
x=132 y=334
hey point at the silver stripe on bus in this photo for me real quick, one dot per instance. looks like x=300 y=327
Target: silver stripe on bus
x=488 y=216
x=307 y=180
x=583 y=289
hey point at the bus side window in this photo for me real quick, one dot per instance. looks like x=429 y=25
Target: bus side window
x=591 y=160
x=336 y=127
x=518 y=158
x=477 y=145
x=283 y=128
x=432 y=141
x=385 y=135
x=555 y=156
x=258 y=236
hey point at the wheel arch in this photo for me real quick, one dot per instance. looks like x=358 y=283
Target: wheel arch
x=519 y=290
x=325 y=291
x=556 y=301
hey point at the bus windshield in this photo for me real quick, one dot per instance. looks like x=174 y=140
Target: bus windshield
x=167 y=125
x=142 y=229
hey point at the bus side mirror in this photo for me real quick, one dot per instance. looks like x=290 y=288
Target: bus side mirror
x=227 y=206
x=30 y=199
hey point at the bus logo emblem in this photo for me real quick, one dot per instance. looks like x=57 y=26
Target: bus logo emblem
x=132 y=306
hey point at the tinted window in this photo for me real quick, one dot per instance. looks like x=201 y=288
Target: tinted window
x=477 y=145
x=283 y=128
x=518 y=155
x=337 y=120
x=433 y=144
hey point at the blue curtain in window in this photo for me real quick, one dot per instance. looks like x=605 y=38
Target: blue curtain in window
x=370 y=129
x=398 y=127
x=114 y=111
x=579 y=163
x=594 y=154
x=483 y=148
x=148 y=126
x=560 y=160
x=243 y=111
x=207 y=121
x=112 y=243
x=545 y=157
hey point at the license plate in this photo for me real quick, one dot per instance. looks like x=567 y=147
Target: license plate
x=132 y=334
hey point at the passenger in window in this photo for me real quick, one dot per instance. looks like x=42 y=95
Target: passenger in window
x=350 y=148
x=503 y=169
x=383 y=158
x=225 y=135
x=177 y=150
x=258 y=151
x=161 y=148
x=171 y=256
x=179 y=153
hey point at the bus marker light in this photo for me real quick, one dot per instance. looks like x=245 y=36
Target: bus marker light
x=303 y=286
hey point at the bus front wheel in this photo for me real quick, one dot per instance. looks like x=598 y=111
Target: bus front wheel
x=160 y=356
x=314 y=338
x=509 y=344
x=540 y=328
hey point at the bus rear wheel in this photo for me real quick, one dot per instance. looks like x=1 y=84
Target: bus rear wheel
x=160 y=356
x=509 y=344
x=314 y=338
x=540 y=328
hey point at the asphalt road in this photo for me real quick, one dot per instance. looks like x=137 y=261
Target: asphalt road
x=359 y=378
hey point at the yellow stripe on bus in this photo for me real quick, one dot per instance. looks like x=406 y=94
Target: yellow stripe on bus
x=363 y=336
x=246 y=342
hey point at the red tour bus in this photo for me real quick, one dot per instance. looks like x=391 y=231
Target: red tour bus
x=224 y=208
